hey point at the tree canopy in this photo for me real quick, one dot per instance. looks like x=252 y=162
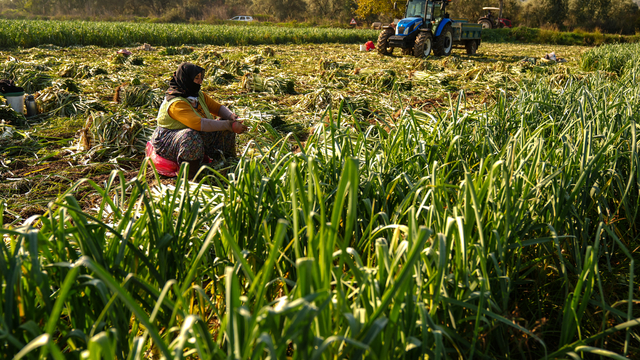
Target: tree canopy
x=613 y=16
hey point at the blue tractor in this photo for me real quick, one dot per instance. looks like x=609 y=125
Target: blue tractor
x=427 y=27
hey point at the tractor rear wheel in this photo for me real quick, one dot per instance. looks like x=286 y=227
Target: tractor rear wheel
x=444 y=43
x=486 y=24
x=422 y=47
x=383 y=42
x=471 y=46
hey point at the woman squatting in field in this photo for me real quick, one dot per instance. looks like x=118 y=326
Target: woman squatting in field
x=187 y=130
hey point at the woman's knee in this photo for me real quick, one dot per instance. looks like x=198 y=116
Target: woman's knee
x=191 y=145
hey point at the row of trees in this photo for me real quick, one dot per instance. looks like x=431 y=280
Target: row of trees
x=612 y=16
x=616 y=16
x=208 y=10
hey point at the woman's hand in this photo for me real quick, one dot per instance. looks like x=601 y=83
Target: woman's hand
x=238 y=127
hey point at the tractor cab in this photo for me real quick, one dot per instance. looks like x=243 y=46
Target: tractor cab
x=492 y=19
x=435 y=11
x=489 y=14
x=421 y=14
x=421 y=8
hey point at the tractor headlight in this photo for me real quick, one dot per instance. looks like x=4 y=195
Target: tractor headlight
x=407 y=29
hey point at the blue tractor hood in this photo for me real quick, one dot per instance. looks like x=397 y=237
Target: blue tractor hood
x=407 y=26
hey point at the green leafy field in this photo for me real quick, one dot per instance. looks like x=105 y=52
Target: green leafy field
x=29 y=33
x=385 y=207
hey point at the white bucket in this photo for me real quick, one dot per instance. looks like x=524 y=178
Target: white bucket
x=16 y=101
x=363 y=48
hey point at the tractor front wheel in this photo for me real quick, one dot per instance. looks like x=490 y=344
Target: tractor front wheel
x=383 y=42
x=422 y=47
x=444 y=43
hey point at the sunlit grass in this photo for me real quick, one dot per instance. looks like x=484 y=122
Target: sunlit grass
x=29 y=33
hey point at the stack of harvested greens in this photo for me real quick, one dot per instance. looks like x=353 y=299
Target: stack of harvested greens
x=66 y=84
x=124 y=59
x=335 y=78
x=13 y=141
x=275 y=123
x=254 y=60
x=446 y=80
x=146 y=47
x=357 y=105
x=135 y=60
x=209 y=55
x=138 y=95
x=236 y=67
x=32 y=80
x=12 y=68
x=119 y=59
x=278 y=123
x=170 y=50
x=31 y=77
x=10 y=116
x=6 y=134
x=275 y=85
x=316 y=100
x=58 y=102
x=218 y=76
x=72 y=70
x=108 y=135
x=328 y=64
x=379 y=79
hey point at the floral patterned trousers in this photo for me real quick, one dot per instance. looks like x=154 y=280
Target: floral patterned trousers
x=191 y=145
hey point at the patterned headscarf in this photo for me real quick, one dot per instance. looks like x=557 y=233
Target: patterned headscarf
x=182 y=84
